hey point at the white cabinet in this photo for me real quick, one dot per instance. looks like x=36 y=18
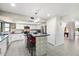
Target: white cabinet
x=3 y=47
x=15 y=37
x=3 y=44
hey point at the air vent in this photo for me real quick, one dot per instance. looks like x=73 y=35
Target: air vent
x=32 y=17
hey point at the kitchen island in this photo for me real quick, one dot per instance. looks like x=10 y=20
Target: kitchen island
x=41 y=44
x=39 y=48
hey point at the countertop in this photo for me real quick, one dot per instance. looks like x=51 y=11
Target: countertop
x=40 y=35
x=3 y=37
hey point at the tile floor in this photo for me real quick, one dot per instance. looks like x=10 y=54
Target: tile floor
x=69 y=48
x=17 y=48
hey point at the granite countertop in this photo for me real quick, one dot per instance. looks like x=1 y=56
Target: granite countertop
x=3 y=37
x=40 y=35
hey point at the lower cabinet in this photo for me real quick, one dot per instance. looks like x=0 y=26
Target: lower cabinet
x=3 y=47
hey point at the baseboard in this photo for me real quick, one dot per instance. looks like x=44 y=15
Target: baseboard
x=56 y=44
x=61 y=43
x=51 y=44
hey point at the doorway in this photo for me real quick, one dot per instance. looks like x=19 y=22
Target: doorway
x=66 y=32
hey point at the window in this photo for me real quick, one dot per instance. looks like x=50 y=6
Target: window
x=7 y=27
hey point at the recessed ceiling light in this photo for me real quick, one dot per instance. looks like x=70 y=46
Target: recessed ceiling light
x=37 y=20
x=48 y=15
x=13 y=5
x=72 y=19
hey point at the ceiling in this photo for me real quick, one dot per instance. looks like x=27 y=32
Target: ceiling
x=45 y=10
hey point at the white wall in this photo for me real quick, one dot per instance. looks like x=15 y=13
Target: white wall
x=59 y=32
x=51 y=27
x=55 y=29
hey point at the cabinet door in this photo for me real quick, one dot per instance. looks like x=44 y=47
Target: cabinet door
x=3 y=47
x=0 y=48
